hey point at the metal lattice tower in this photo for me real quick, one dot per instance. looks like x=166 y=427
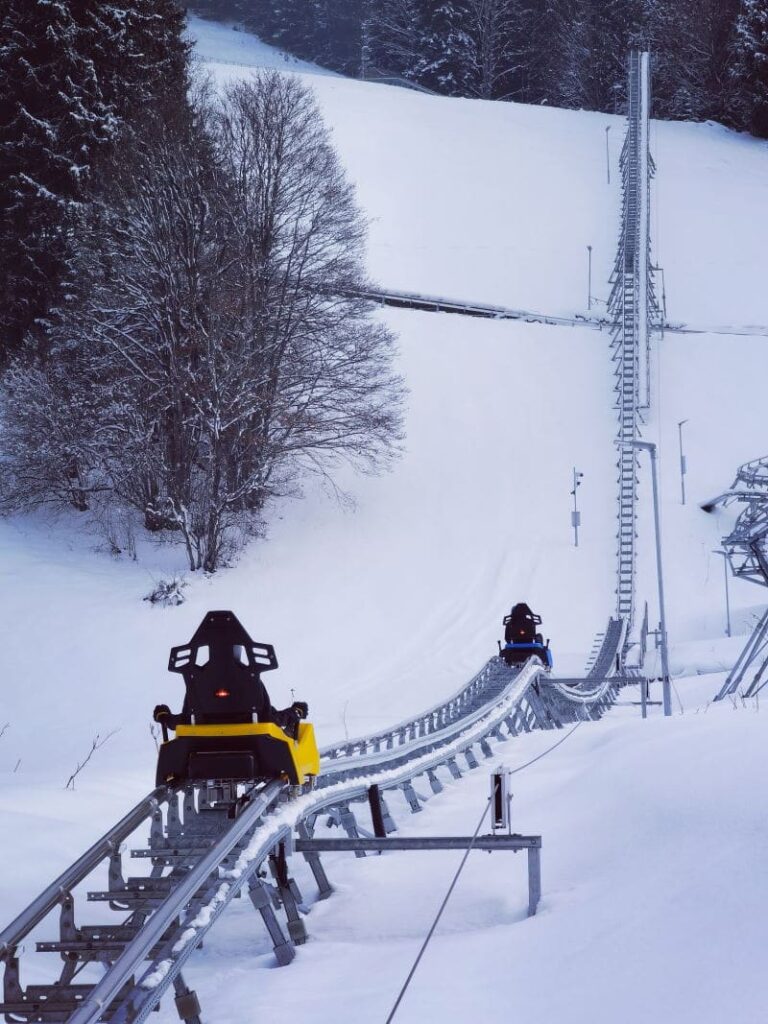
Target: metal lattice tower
x=635 y=311
x=747 y=549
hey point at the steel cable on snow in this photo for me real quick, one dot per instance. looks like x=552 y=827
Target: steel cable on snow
x=459 y=870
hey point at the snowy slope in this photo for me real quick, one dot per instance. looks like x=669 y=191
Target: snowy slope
x=653 y=904
x=228 y=44
x=380 y=610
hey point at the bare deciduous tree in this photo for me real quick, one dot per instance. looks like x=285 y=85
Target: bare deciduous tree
x=395 y=37
x=496 y=45
x=219 y=334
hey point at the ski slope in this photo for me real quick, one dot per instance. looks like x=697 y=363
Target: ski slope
x=381 y=609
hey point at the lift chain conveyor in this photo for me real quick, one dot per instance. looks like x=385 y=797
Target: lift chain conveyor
x=634 y=310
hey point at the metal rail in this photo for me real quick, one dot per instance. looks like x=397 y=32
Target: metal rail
x=633 y=306
x=102 y=996
x=204 y=857
x=486 y=686
x=483 y=687
x=28 y=919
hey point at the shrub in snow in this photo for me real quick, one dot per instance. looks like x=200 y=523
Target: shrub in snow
x=168 y=593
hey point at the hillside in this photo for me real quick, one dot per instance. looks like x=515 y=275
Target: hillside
x=383 y=608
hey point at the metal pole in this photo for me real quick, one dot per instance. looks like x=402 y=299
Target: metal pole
x=589 y=278
x=607 y=154
x=683 y=464
x=665 y=682
x=575 y=516
x=727 y=596
x=575 y=513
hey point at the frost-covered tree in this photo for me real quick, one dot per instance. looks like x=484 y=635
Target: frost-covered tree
x=53 y=123
x=591 y=39
x=73 y=75
x=495 y=47
x=692 y=44
x=751 y=65
x=218 y=336
x=53 y=431
x=443 y=46
x=565 y=52
x=395 y=37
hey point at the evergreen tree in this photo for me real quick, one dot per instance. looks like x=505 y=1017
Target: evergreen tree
x=291 y=25
x=592 y=38
x=154 y=56
x=73 y=74
x=53 y=123
x=692 y=46
x=566 y=52
x=443 y=46
x=346 y=20
x=751 y=68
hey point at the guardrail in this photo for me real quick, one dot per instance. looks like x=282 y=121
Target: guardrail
x=482 y=687
x=489 y=684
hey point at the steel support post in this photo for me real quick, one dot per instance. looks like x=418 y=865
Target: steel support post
x=348 y=822
x=534 y=879
x=324 y=887
x=262 y=901
x=290 y=897
x=410 y=795
x=667 y=691
x=377 y=816
x=389 y=824
x=491 y=843
x=187 y=1003
x=469 y=757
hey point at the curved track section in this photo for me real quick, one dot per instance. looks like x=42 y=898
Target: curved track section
x=209 y=844
x=482 y=689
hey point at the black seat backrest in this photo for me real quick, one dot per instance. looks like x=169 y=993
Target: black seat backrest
x=222 y=669
x=520 y=625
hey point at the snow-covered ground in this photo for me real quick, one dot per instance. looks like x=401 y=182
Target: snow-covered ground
x=650 y=834
x=652 y=910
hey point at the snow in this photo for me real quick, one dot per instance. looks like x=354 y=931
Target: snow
x=652 y=892
x=226 y=43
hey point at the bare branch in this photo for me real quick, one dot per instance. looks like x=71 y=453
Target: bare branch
x=96 y=744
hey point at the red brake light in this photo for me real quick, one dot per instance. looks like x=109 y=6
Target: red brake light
x=222 y=693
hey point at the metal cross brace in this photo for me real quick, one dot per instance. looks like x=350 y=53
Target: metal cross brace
x=491 y=842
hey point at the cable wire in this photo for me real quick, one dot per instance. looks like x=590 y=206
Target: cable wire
x=439 y=914
x=459 y=870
